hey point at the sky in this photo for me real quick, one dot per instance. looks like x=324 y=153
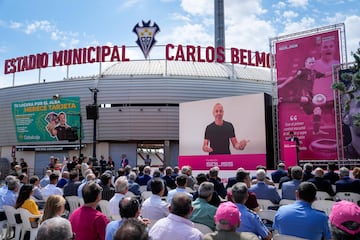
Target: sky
x=36 y=26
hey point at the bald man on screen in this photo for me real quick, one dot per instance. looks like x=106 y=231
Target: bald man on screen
x=218 y=134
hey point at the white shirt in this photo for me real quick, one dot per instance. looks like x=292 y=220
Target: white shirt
x=177 y=190
x=175 y=228
x=114 y=204
x=51 y=189
x=154 y=208
x=84 y=167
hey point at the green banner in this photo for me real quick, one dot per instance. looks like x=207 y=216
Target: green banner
x=46 y=119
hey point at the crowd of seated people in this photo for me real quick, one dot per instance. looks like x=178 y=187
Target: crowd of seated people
x=178 y=202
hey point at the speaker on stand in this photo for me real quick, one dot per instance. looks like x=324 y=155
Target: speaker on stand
x=92 y=112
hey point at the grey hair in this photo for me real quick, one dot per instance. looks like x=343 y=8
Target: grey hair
x=132 y=176
x=344 y=171
x=296 y=172
x=121 y=184
x=206 y=189
x=239 y=192
x=54 y=228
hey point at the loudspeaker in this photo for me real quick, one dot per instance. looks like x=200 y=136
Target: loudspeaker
x=92 y=112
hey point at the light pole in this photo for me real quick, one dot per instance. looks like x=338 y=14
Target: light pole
x=94 y=91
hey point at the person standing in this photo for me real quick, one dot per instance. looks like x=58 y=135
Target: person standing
x=147 y=160
x=102 y=164
x=13 y=164
x=24 y=166
x=295 y=139
x=219 y=133
x=124 y=161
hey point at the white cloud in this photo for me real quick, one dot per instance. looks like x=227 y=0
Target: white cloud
x=304 y=24
x=352 y=24
x=298 y=3
x=290 y=14
x=15 y=25
x=337 y=18
x=279 y=5
x=252 y=34
x=194 y=34
x=247 y=8
x=180 y=17
x=129 y=3
x=38 y=25
x=198 y=7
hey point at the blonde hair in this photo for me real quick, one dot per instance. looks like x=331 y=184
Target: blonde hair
x=53 y=206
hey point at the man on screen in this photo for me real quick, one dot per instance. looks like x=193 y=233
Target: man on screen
x=218 y=134
x=59 y=130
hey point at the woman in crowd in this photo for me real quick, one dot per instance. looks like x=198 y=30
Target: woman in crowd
x=54 y=207
x=25 y=201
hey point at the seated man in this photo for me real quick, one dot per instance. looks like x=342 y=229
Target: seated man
x=331 y=175
x=143 y=180
x=177 y=225
x=244 y=176
x=203 y=211
x=154 y=208
x=121 y=188
x=322 y=184
x=132 y=229
x=51 y=188
x=300 y=219
x=308 y=168
x=218 y=185
x=263 y=190
x=250 y=221
x=289 y=188
x=346 y=183
x=181 y=181
x=71 y=188
x=279 y=173
x=128 y=208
